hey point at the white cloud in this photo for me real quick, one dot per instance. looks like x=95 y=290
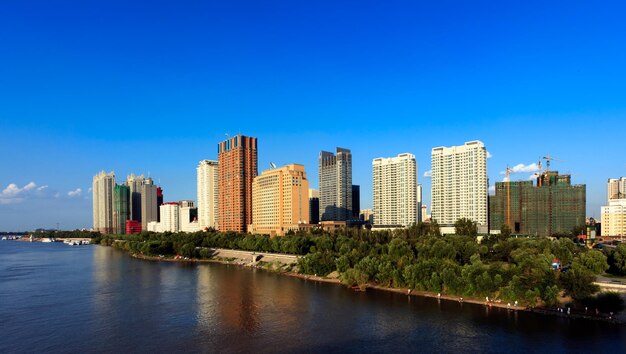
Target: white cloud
x=521 y=168
x=428 y=174
x=11 y=190
x=489 y=155
x=89 y=190
x=14 y=194
x=42 y=188
x=492 y=189
x=57 y=194
x=75 y=193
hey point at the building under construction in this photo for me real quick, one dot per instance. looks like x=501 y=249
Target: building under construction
x=121 y=208
x=549 y=206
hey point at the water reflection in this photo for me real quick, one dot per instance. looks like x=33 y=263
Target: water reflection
x=206 y=300
x=102 y=300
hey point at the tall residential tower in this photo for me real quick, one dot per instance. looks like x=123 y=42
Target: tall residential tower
x=149 y=203
x=616 y=188
x=395 y=190
x=459 y=185
x=135 y=184
x=614 y=214
x=207 y=194
x=102 y=187
x=237 y=167
x=335 y=179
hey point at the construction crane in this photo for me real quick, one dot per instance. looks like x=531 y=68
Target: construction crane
x=548 y=159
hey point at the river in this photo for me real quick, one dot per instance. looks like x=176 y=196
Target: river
x=69 y=299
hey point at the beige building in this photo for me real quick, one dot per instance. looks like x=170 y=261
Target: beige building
x=616 y=188
x=280 y=200
x=367 y=215
x=614 y=218
x=614 y=215
x=149 y=204
x=102 y=188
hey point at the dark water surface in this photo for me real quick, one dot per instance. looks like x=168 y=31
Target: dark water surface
x=58 y=298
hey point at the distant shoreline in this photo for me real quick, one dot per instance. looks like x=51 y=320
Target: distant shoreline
x=491 y=304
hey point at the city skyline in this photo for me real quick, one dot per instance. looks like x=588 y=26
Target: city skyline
x=153 y=92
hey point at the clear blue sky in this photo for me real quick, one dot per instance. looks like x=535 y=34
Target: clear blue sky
x=151 y=87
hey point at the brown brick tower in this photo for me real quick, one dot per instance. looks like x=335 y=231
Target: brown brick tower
x=237 y=167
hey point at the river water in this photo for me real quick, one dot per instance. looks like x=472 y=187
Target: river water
x=76 y=299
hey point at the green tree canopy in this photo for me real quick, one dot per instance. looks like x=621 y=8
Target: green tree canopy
x=466 y=227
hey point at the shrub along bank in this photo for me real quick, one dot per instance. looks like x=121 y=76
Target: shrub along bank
x=510 y=269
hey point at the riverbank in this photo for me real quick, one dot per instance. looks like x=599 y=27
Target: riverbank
x=254 y=260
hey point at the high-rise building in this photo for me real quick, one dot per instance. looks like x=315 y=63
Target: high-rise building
x=356 y=201
x=617 y=188
x=613 y=215
x=395 y=190
x=135 y=184
x=280 y=200
x=459 y=185
x=551 y=206
x=102 y=188
x=335 y=178
x=207 y=172
x=314 y=206
x=121 y=212
x=237 y=167
x=149 y=203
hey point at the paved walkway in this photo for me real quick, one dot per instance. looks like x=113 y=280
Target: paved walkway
x=248 y=256
x=611 y=284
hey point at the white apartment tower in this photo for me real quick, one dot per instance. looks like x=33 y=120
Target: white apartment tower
x=395 y=190
x=335 y=179
x=102 y=188
x=170 y=217
x=207 y=194
x=459 y=184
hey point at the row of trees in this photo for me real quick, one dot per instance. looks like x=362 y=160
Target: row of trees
x=417 y=258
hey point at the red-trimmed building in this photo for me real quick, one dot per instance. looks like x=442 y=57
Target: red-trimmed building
x=133 y=227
